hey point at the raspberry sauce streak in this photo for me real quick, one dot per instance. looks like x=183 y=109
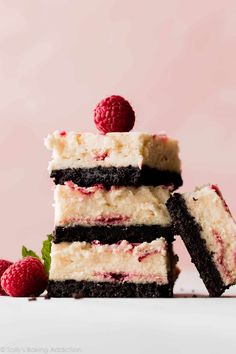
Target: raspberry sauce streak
x=83 y=190
x=129 y=277
x=216 y=189
x=99 y=220
x=220 y=258
x=101 y=156
x=124 y=246
x=63 y=133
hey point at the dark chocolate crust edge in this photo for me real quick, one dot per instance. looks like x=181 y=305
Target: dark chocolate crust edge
x=112 y=233
x=73 y=288
x=185 y=225
x=117 y=176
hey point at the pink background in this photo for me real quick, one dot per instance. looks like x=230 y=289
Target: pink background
x=173 y=60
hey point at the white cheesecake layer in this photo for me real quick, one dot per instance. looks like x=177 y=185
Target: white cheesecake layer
x=119 y=205
x=87 y=150
x=139 y=263
x=218 y=228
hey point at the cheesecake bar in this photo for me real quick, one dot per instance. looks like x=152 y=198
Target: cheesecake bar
x=114 y=159
x=119 y=270
x=205 y=223
x=95 y=213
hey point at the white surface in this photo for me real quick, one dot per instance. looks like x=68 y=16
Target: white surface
x=179 y=325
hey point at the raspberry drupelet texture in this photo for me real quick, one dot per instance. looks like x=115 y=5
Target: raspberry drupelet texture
x=114 y=114
x=3 y=266
x=26 y=277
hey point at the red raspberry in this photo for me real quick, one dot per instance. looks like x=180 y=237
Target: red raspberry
x=3 y=266
x=114 y=114
x=26 y=277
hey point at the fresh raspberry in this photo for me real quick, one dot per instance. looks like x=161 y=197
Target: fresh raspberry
x=3 y=266
x=26 y=277
x=114 y=114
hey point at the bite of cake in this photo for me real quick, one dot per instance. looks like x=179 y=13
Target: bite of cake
x=135 y=213
x=121 y=269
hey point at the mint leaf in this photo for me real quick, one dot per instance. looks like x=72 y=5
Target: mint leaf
x=46 y=253
x=25 y=252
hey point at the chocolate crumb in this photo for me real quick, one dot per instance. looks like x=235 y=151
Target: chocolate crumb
x=47 y=297
x=78 y=295
x=194 y=295
x=32 y=298
x=195 y=199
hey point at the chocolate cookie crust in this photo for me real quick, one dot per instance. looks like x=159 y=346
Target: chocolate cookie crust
x=69 y=288
x=117 y=176
x=112 y=233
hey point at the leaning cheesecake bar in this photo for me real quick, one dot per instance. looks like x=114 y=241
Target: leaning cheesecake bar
x=119 y=270
x=136 y=214
x=204 y=221
x=123 y=159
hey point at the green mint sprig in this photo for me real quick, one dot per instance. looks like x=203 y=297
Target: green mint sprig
x=27 y=252
x=46 y=253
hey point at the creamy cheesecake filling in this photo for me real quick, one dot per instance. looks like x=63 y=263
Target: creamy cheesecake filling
x=87 y=150
x=218 y=228
x=119 y=205
x=122 y=262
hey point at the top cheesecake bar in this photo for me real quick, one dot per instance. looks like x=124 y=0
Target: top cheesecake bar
x=114 y=159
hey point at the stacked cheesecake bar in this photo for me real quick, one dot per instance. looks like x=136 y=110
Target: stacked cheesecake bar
x=113 y=235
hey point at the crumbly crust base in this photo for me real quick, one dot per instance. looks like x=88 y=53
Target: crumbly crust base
x=72 y=288
x=112 y=233
x=117 y=176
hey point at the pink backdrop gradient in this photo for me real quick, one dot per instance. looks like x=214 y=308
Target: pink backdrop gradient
x=174 y=60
